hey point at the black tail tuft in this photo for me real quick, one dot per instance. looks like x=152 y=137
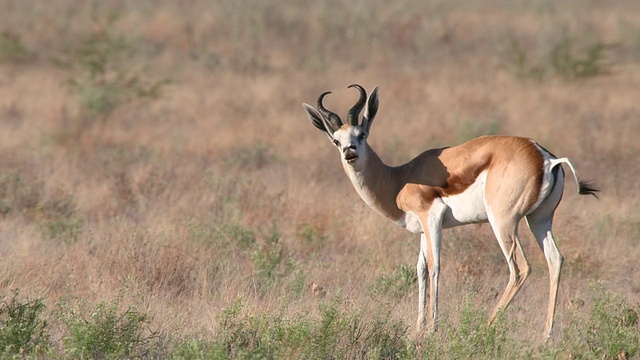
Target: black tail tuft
x=587 y=188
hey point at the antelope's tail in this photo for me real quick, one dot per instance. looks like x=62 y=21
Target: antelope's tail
x=584 y=187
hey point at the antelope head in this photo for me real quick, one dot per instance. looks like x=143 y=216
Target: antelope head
x=350 y=138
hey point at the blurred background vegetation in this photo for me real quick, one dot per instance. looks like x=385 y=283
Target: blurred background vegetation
x=162 y=194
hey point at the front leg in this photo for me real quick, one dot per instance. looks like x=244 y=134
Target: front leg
x=423 y=274
x=432 y=225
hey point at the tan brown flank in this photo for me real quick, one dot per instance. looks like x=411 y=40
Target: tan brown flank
x=453 y=170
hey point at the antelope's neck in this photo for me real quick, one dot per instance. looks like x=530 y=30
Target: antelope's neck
x=377 y=185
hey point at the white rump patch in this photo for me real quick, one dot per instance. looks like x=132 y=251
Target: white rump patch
x=548 y=180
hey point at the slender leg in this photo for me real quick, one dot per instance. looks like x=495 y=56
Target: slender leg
x=507 y=234
x=422 y=282
x=541 y=229
x=433 y=220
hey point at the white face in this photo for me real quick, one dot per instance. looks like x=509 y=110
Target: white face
x=350 y=141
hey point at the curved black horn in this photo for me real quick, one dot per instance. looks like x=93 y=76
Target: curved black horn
x=333 y=118
x=354 y=113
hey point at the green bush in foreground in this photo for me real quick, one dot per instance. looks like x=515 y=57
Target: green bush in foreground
x=23 y=330
x=611 y=329
x=337 y=333
x=334 y=329
x=106 y=332
x=470 y=338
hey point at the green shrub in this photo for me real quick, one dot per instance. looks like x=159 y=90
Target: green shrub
x=12 y=49
x=104 y=72
x=570 y=64
x=59 y=219
x=105 y=332
x=611 y=329
x=272 y=263
x=399 y=283
x=519 y=62
x=193 y=349
x=338 y=334
x=313 y=239
x=473 y=338
x=565 y=58
x=23 y=329
x=18 y=193
x=355 y=334
x=223 y=235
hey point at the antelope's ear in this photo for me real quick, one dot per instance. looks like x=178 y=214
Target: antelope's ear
x=314 y=116
x=371 y=109
x=316 y=119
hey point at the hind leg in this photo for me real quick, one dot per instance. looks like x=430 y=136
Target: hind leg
x=540 y=223
x=507 y=234
x=541 y=229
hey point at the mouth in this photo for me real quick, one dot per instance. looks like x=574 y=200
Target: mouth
x=351 y=158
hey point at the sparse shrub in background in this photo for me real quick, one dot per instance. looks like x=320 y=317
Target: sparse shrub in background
x=11 y=48
x=63 y=228
x=105 y=332
x=57 y=218
x=18 y=193
x=610 y=331
x=272 y=263
x=254 y=156
x=397 y=284
x=228 y=236
x=312 y=238
x=240 y=235
x=567 y=63
x=519 y=62
x=470 y=129
x=565 y=59
x=22 y=330
x=105 y=74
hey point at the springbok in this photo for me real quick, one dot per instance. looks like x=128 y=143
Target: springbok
x=495 y=179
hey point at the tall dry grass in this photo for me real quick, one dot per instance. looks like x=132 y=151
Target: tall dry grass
x=220 y=189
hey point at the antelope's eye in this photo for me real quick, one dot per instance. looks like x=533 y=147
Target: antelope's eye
x=336 y=142
x=362 y=136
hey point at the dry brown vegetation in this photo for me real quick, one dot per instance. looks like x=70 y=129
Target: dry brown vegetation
x=216 y=187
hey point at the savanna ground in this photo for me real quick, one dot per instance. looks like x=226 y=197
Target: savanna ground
x=162 y=194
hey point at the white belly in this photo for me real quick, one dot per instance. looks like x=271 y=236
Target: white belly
x=468 y=206
x=464 y=208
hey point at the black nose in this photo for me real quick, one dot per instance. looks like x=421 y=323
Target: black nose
x=350 y=147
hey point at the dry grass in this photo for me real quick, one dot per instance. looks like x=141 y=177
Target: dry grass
x=187 y=200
